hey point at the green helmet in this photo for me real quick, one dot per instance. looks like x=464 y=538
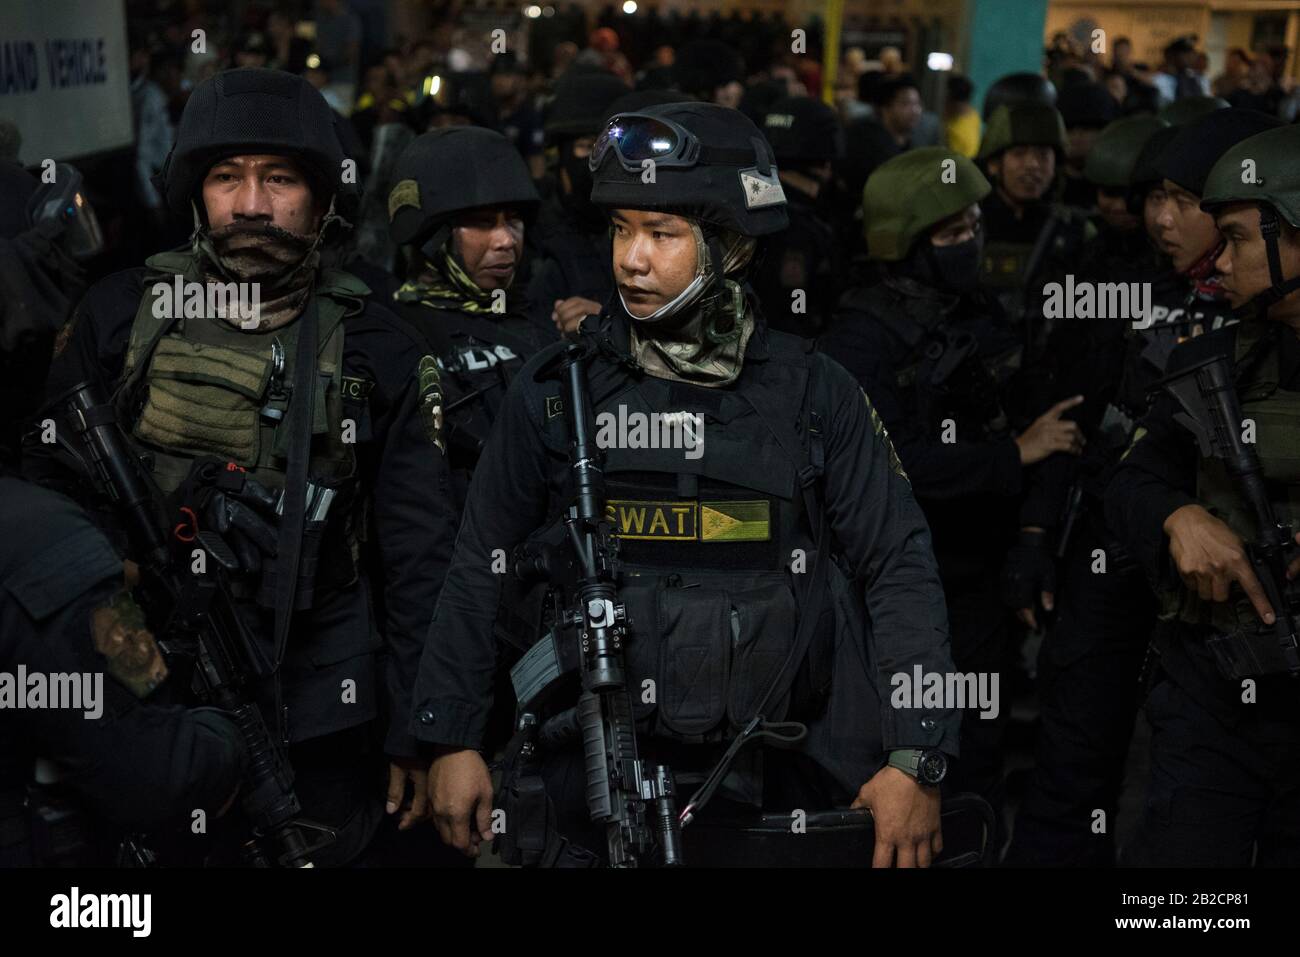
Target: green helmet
x=1022 y=124
x=1190 y=107
x=1261 y=169
x=908 y=194
x=1115 y=152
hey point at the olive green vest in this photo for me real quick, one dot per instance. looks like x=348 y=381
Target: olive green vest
x=1275 y=413
x=199 y=386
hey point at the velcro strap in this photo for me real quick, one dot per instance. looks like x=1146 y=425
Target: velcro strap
x=244 y=372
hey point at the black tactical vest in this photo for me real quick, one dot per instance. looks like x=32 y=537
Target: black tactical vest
x=477 y=356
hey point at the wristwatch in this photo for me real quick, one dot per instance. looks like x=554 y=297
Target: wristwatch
x=928 y=767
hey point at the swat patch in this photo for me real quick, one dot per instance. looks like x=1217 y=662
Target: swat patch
x=122 y=636
x=431 y=400
x=678 y=521
x=761 y=190
x=356 y=388
x=405 y=193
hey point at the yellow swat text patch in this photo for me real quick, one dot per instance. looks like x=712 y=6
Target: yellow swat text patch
x=690 y=521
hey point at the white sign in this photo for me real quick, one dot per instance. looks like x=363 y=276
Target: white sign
x=64 y=77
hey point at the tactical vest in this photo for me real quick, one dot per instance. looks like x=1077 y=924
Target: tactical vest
x=716 y=550
x=1174 y=319
x=198 y=386
x=1276 y=415
x=1006 y=261
x=477 y=357
x=953 y=370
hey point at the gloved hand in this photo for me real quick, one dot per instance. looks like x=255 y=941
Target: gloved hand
x=242 y=511
x=1029 y=576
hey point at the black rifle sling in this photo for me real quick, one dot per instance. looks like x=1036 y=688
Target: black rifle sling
x=290 y=532
x=775 y=411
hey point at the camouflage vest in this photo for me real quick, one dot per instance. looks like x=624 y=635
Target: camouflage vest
x=1275 y=413
x=199 y=386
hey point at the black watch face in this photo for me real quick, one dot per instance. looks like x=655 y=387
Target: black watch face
x=932 y=768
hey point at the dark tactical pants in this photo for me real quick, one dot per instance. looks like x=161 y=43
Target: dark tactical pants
x=1088 y=687
x=1217 y=797
x=977 y=625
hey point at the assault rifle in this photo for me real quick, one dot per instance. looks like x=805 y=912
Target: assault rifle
x=1211 y=410
x=198 y=625
x=636 y=802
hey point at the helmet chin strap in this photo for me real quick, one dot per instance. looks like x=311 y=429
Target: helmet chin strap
x=1270 y=228
x=693 y=291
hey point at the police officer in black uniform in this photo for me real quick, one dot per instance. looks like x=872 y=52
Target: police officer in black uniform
x=1225 y=718
x=940 y=364
x=1090 y=662
x=1030 y=238
x=324 y=410
x=460 y=205
x=118 y=763
x=571 y=275
x=712 y=538
x=800 y=281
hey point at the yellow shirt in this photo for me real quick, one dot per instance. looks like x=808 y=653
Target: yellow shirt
x=963 y=133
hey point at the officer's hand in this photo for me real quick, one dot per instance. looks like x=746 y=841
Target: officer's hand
x=460 y=792
x=1029 y=576
x=1050 y=433
x=400 y=770
x=568 y=313
x=1210 y=557
x=906 y=816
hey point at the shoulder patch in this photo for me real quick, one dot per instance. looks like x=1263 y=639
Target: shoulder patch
x=355 y=387
x=554 y=406
x=878 y=427
x=121 y=635
x=405 y=193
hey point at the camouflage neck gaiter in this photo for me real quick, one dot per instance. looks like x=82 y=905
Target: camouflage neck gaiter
x=282 y=263
x=444 y=284
x=704 y=344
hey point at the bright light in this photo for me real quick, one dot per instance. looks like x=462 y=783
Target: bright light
x=660 y=146
x=629 y=7
x=533 y=11
x=431 y=85
x=313 y=61
x=939 y=62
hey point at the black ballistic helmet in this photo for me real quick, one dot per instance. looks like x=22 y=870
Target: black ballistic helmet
x=1018 y=88
x=803 y=130
x=451 y=170
x=581 y=102
x=710 y=162
x=1190 y=155
x=256 y=111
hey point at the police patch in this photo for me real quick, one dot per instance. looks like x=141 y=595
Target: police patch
x=356 y=388
x=405 y=193
x=678 y=521
x=121 y=635
x=431 y=400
